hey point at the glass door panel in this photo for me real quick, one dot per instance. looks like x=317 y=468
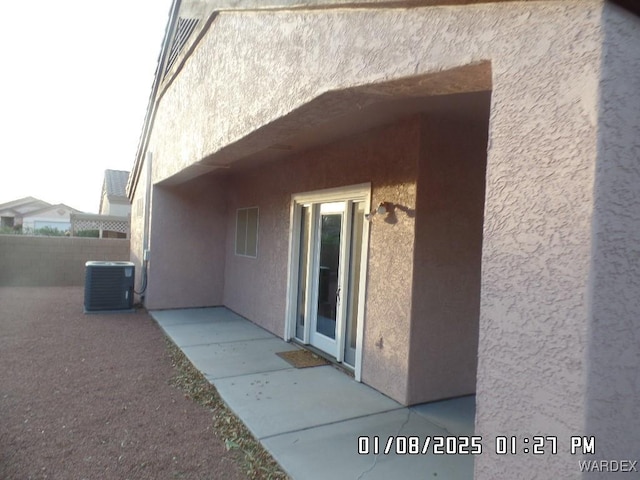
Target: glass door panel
x=329 y=274
x=353 y=290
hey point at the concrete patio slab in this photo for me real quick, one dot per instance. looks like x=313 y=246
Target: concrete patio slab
x=194 y=315
x=190 y=334
x=294 y=399
x=228 y=359
x=457 y=415
x=331 y=451
x=310 y=419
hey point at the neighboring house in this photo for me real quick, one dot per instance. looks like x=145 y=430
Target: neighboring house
x=56 y=217
x=30 y=215
x=113 y=221
x=11 y=213
x=443 y=199
x=114 y=200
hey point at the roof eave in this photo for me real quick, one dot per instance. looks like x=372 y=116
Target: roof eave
x=134 y=176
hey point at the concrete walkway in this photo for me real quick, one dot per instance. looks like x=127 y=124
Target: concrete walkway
x=310 y=419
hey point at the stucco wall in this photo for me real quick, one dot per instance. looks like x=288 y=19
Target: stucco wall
x=187 y=239
x=545 y=65
x=256 y=288
x=537 y=244
x=117 y=208
x=136 y=235
x=448 y=250
x=613 y=369
x=135 y=239
x=328 y=50
x=53 y=261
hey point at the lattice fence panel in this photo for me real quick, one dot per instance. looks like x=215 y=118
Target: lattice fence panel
x=120 y=226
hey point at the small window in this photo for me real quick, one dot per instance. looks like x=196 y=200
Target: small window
x=247 y=232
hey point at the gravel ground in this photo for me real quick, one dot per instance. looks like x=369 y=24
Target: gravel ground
x=90 y=397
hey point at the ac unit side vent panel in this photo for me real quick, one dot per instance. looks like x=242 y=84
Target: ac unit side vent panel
x=108 y=286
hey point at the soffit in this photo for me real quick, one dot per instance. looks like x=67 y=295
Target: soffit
x=461 y=93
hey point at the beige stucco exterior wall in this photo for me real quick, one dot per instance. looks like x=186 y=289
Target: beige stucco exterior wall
x=613 y=367
x=187 y=238
x=534 y=310
x=219 y=100
x=257 y=288
x=136 y=235
x=546 y=64
x=447 y=255
x=120 y=208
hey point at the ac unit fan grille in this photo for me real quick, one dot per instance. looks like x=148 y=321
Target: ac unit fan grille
x=108 y=287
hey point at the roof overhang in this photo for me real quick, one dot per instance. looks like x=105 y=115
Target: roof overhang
x=463 y=93
x=342 y=112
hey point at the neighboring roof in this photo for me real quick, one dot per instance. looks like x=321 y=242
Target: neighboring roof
x=50 y=208
x=115 y=183
x=114 y=186
x=23 y=205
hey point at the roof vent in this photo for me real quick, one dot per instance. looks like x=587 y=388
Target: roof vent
x=184 y=29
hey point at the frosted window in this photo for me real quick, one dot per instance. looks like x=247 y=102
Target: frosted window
x=247 y=232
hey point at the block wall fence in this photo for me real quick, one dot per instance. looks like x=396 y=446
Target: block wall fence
x=53 y=261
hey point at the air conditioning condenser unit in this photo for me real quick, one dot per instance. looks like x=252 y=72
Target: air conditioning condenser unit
x=108 y=286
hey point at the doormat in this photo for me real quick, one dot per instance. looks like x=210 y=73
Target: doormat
x=302 y=358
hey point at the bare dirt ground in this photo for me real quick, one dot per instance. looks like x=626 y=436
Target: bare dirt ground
x=88 y=396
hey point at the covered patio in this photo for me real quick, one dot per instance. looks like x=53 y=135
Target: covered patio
x=306 y=417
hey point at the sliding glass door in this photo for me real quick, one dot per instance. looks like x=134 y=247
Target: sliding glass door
x=328 y=241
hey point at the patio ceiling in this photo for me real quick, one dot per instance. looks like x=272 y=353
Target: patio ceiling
x=456 y=93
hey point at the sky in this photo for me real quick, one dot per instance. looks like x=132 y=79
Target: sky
x=75 y=82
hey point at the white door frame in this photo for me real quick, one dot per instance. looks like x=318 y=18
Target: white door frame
x=348 y=194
